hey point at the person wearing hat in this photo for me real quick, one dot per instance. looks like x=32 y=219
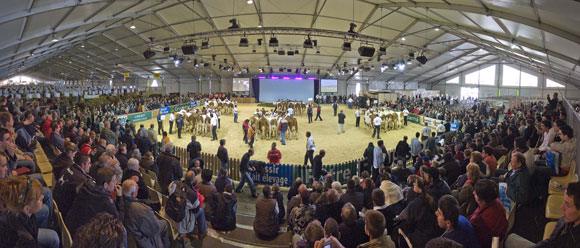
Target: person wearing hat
x=436 y=187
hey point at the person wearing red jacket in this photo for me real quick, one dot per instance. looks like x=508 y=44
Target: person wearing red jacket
x=274 y=155
x=489 y=219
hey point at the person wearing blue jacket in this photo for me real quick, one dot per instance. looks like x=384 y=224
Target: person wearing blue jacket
x=457 y=227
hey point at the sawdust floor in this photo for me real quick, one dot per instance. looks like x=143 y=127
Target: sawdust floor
x=339 y=148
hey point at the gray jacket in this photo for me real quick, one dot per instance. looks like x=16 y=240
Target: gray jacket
x=142 y=224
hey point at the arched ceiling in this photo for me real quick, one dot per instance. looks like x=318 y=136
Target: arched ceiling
x=95 y=38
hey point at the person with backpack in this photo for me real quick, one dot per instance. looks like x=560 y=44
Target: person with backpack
x=185 y=206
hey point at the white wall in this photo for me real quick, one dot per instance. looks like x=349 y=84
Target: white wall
x=541 y=91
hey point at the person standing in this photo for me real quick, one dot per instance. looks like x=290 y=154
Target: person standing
x=318 y=113
x=341 y=118
x=416 y=147
x=251 y=135
x=245 y=127
x=309 y=112
x=283 y=128
x=193 y=148
x=357 y=114
x=335 y=107
x=222 y=154
x=179 y=122
x=310 y=148
x=235 y=113
x=378 y=159
x=245 y=169
x=405 y=115
x=317 y=166
x=274 y=155
x=213 y=123
x=159 y=124
x=171 y=120
x=377 y=130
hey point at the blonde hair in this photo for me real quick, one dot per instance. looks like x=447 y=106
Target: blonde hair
x=18 y=192
x=473 y=172
x=476 y=157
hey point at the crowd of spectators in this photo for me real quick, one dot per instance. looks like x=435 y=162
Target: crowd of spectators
x=440 y=189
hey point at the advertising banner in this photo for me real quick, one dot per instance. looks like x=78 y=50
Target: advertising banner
x=140 y=117
x=414 y=118
x=164 y=110
x=192 y=104
x=274 y=173
x=177 y=108
x=454 y=126
x=340 y=172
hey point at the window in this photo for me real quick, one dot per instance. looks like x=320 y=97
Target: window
x=553 y=84
x=357 y=89
x=487 y=76
x=528 y=80
x=154 y=83
x=472 y=78
x=467 y=92
x=511 y=76
x=454 y=80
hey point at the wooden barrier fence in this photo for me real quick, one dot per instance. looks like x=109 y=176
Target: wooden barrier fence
x=340 y=172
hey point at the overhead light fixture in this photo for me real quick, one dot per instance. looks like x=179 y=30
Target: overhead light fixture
x=234 y=23
x=296 y=52
x=273 y=42
x=178 y=61
x=514 y=45
x=244 y=42
x=351 y=29
x=148 y=54
x=189 y=49
x=346 y=46
x=132 y=26
x=401 y=66
x=259 y=42
x=409 y=62
x=250 y=2
x=116 y=49
x=403 y=38
x=83 y=45
x=54 y=39
x=382 y=50
x=290 y=53
x=308 y=43
x=317 y=52
x=205 y=45
x=422 y=59
x=436 y=28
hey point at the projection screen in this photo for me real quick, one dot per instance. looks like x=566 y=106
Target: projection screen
x=271 y=90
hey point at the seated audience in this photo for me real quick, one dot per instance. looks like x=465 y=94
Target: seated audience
x=489 y=159
x=352 y=227
x=464 y=195
x=94 y=199
x=266 y=224
x=388 y=211
x=317 y=195
x=169 y=168
x=489 y=219
x=375 y=229
x=133 y=172
x=222 y=180
x=209 y=192
x=518 y=180
x=352 y=195
x=313 y=233
x=65 y=190
x=567 y=147
x=225 y=210
x=140 y=221
x=452 y=167
x=368 y=193
x=104 y=230
x=277 y=195
x=329 y=209
x=456 y=226
x=301 y=215
x=436 y=187
x=65 y=160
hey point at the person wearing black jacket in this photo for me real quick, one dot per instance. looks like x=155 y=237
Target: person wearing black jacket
x=329 y=209
x=353 y=196
x=294 y=189
x=143 y=143
x=169 y=168
x=64 y=160
x=222 y=181
x=92 y=200
x=194 y=149
x=133 y=171
x=245 y=170
x=222 y=154
x=368 y=155
x=317 y=166
x=65 y=190
x=225 y=217
x=403 y=151
x=277 y=195
x=127 y=138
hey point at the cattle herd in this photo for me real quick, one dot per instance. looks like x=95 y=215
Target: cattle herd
x=391 y=120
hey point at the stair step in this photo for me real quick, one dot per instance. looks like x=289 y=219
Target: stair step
x=245 y=235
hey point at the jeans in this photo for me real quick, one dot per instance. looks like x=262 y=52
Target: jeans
x=179 y=132
x=200 y=220
x=170 y=127
x=160 y=128
x=214 y=132
x=405 y=118
x=309 y=117
x=251 y=143
x=377 y=131
x=282 y=133
x=246 y=136
x=309 y=156
x=48 y=238
x=357 y=121
x=235 y=117
x=246 y=178
x=224 y=165
x=318 y=116
x=42 y=216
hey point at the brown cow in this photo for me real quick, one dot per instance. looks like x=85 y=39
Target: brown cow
x=292 y=127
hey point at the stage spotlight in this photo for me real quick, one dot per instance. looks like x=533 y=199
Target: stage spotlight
x=308 y=43
x=290 y=53
x=351 y=29
x=259 y=42
x=244 y=42
x=273 y=42
x=366 y=51
x=382 y=50
x=296 y=52
x=148 y=54
x=189 y=49
x=288 y=70
x=422 y=59
x=166 y=49
x=280 y=70
x=195 y=63
x=346 y=46
x=281 y=52
x=205 y=45
x=234 y=23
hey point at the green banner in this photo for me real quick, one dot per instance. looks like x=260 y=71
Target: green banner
x=140 y=117
x=177 y=108
x=413 y=118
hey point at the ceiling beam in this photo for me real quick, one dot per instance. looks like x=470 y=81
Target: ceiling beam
x=443 y=64
x=45 y=8
x=569 y=35
x=99 y=10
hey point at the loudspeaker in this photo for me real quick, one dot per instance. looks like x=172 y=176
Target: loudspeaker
x=148 y=54
x=422 y=59
x=189 y=49
x=366 y=51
